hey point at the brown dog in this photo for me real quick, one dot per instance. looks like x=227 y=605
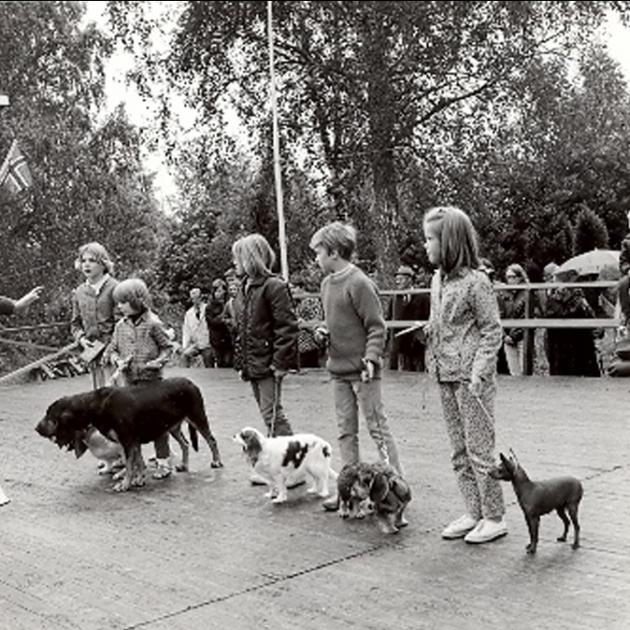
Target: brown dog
x=378 y=484
x=132 y=416
x=536 y=498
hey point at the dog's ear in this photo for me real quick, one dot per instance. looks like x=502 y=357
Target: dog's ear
x=379 y=488
x=514 y=458
x=504 y=459
x=79 y=443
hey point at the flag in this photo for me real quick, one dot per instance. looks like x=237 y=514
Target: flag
x=15 y=176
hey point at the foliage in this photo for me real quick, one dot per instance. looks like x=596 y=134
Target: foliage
x=590 y=232
x=88 y=179
x=398 y=106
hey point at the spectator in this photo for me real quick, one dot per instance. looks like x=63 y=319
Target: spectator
x=220 y=338
x=624 y=267
x=308 y=309
x=571 y=350
x=407 y=351
x=514 y=306
x=195 y=338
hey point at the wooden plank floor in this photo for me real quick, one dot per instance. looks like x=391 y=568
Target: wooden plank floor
x=205 y=550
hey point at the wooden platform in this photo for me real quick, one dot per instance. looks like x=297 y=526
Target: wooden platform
x=205 y=550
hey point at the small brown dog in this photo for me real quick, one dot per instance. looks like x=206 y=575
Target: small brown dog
x=378 y=484
x=562 y=494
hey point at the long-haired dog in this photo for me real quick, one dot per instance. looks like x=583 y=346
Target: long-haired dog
x=562 y=494
x=378 y=484
x=296 y=457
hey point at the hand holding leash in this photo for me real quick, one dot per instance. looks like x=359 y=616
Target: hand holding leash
x=367 y=374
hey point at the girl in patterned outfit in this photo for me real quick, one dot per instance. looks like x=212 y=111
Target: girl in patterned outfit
x=93 y=306
x=140 y=347
x=465 y=335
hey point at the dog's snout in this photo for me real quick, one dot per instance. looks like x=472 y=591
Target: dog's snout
x=44 y=428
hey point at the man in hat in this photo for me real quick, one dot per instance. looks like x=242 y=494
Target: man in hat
x=407 y=351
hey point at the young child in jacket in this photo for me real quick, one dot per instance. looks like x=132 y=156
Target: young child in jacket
x=356 y=334
x=9 y=307
x=266 y=329
x=139 y=348
x=464 y=336
x=93 y=306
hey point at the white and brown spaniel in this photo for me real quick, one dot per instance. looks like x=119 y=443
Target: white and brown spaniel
x=288 y=458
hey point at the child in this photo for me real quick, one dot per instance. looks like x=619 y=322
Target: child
x=266 y=329
x=139 y=348
x=355 y=329
x=9 y=307
x=465 y=335
x=93 y=305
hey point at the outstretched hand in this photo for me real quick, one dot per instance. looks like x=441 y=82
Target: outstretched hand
x=26 y=300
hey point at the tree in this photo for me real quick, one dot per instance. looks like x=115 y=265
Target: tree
x=590 y=232
x=368 y=85
x=89 y=183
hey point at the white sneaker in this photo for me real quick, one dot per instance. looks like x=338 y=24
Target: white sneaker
x=486 y=531
x=459 y=527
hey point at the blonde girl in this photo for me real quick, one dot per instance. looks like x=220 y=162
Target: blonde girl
x=465 y=335
x=267 y=330
x=93 y=307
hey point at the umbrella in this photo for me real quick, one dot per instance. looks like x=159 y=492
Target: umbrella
x=590 y=262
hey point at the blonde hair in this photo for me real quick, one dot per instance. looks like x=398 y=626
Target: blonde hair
x=255 y=255
x=100 y=255
x=336 y=236
x=518 y=270
x=134 y=292
x=457 y=236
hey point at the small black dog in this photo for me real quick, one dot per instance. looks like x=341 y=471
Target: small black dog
x=562 y=494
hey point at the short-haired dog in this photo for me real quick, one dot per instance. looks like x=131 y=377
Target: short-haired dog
x=562 y=494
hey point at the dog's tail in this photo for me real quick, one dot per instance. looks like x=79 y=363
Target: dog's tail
x=327 y=453
x=194 y=440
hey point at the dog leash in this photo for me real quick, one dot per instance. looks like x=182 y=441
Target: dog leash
x=274 y=416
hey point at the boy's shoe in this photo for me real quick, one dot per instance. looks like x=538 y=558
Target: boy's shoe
x=486 y=531
x=460 y=527
x=331 y=504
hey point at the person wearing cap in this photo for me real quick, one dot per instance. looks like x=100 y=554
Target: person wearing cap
x=195 y=339
x=407 y=351
x=220 y=338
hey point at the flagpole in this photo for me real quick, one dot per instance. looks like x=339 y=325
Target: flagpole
x=284 y=263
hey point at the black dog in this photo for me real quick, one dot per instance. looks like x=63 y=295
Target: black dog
x=536 y=498
x=132 y=416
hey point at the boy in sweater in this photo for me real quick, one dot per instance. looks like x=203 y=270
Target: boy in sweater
x=355 y=330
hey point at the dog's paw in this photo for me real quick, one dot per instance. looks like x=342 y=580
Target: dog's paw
x=181 y=468
x=121 y=486
x=530 y=549
x=216 y=464
x=119 y=475
x=575 y=545
x=561 y=539
x=279 y=499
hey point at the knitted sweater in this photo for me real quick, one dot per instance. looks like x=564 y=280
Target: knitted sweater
x=354 y=318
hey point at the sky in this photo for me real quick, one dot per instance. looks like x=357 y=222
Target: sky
x=614 y=34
